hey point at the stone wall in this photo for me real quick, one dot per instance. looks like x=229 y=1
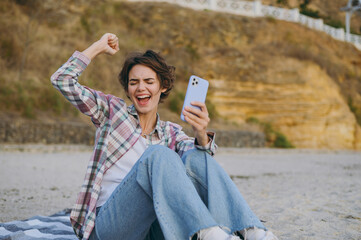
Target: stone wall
x=240 y=139
x=21 y=132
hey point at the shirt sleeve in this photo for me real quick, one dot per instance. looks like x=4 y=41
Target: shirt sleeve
x=185 y=143
x=90 y=102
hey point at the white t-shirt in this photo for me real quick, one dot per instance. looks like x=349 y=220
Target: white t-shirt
x=120 y=169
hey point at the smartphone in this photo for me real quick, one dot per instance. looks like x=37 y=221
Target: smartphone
x=196 y=91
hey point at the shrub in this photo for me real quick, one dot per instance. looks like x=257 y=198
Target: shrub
x=274 y=138
x=269 y=132
x=281 y=141
x=350 y=104
x=355 y=110
x=282 y=2
x=310 y=13
x=307 y=11
x=334 y=23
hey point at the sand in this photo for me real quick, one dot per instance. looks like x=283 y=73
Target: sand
x=301 y=194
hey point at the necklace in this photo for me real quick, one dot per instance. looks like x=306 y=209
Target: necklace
x=144 y=134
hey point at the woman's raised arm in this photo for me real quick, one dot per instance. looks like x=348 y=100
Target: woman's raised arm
x=90 y=102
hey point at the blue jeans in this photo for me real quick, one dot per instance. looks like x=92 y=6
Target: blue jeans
x=168 y=197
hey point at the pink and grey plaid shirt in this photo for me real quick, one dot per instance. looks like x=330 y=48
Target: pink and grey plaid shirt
x=117 y=129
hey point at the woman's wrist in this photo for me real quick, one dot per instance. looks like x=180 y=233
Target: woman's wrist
x=202 y=140
x=94 y=50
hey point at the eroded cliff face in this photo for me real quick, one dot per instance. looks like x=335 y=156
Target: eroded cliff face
x=298 y=98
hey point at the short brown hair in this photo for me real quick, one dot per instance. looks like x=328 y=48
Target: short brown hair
x=153 y=60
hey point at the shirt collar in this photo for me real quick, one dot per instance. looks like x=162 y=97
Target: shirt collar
x=131 y=110
x=158 y=129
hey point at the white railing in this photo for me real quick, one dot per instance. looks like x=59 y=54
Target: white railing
x=256 y=9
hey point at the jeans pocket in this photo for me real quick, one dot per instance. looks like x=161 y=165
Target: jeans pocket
x=97 y=210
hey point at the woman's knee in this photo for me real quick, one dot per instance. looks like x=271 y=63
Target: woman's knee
x=160 y=154
x=196 y=162
x=196 y=158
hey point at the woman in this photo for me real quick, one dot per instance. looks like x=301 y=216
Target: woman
x=146 y=178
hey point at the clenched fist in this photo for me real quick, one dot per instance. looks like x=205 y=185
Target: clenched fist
x=108 y=44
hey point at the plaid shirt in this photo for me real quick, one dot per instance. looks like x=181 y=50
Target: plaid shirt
x=117 y=129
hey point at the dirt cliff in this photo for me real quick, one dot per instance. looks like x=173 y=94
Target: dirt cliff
x=298 y=98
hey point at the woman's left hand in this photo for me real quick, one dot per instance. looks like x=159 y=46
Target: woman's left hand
x=199 y=120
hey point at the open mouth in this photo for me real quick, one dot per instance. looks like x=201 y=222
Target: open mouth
x=143 y=100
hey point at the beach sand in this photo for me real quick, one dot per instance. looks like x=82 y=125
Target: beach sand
x=300 y=194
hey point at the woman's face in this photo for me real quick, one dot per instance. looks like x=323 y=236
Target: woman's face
x=144 y=89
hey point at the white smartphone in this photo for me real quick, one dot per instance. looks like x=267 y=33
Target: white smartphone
x=196 y=91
